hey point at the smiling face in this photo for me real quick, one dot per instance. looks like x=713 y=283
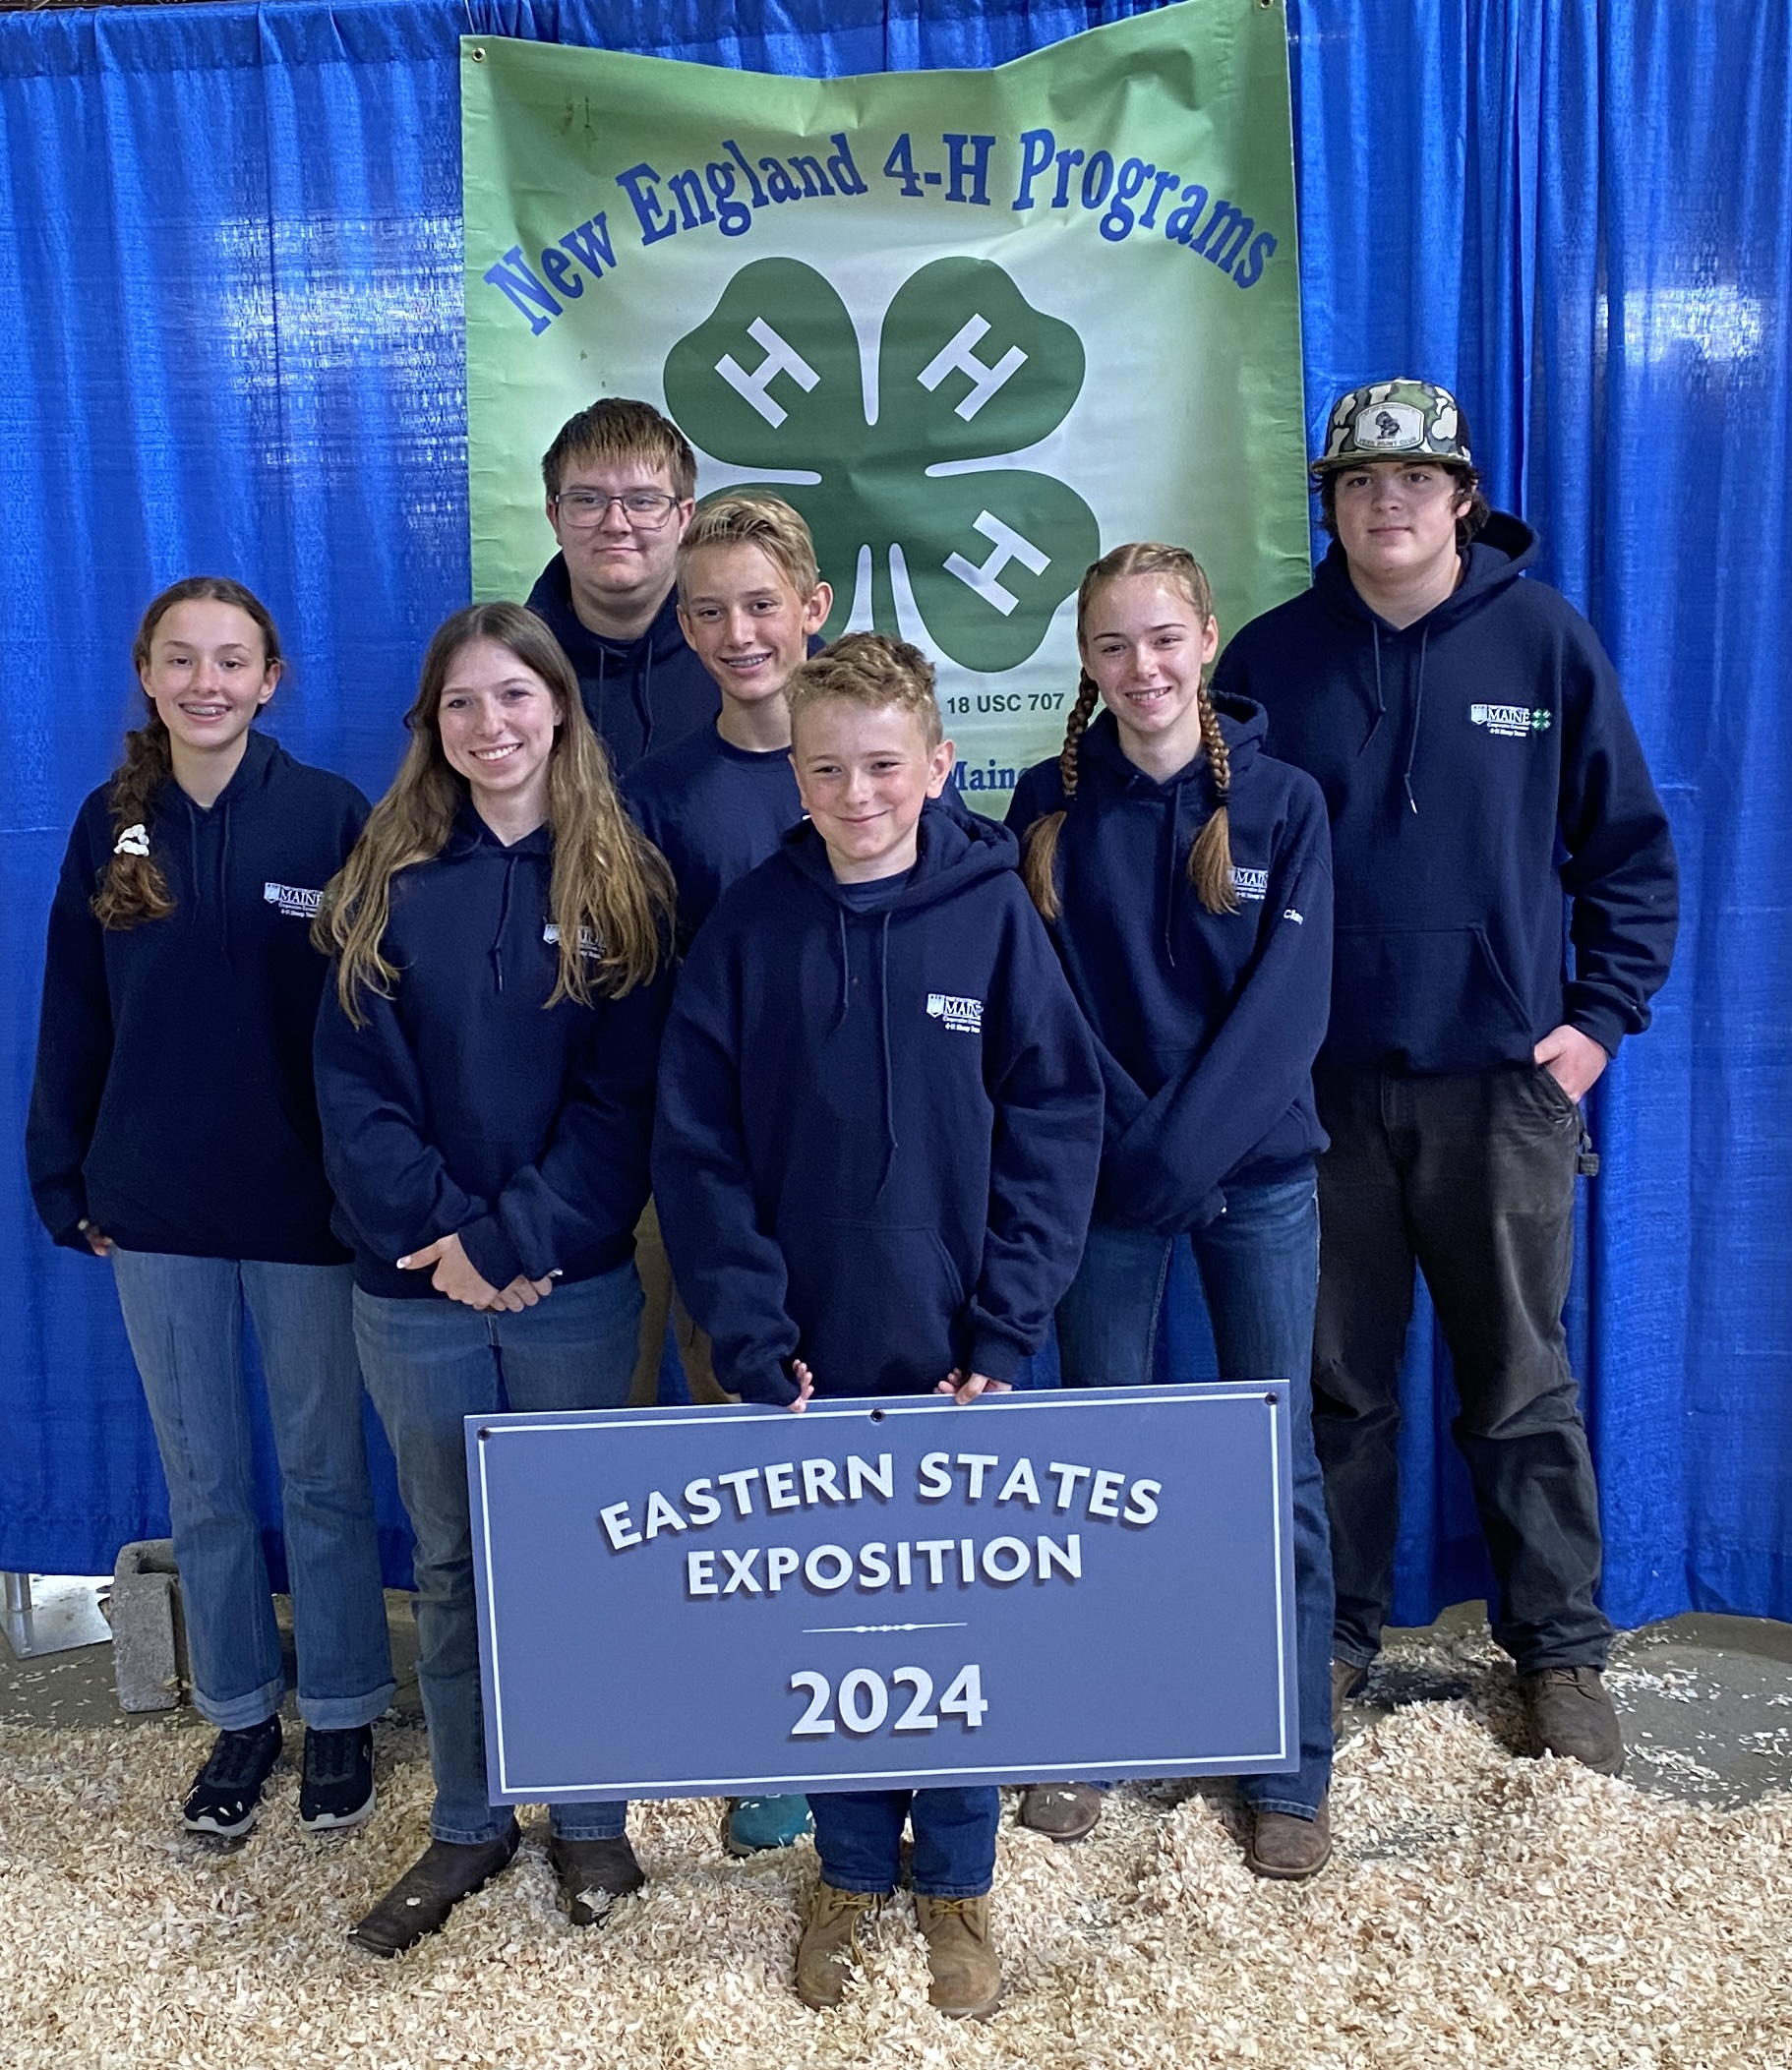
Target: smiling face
x=744 y=619
x=619 y=570
x=864 y=772
x=1145 y=644
x=208 y=674
x=1397 y=519
x=497 y=719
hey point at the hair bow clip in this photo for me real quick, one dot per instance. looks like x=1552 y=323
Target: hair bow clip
x=134 y=841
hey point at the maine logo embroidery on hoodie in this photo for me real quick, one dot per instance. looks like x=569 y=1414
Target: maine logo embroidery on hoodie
x=1512 y=721
x=294 y=901
x=963 y=1015
x=1249 y=883
x=588 y=943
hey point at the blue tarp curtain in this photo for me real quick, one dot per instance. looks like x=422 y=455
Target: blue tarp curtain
x=230 y=316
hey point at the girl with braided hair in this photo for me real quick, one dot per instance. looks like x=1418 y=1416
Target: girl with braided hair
x=174 y=1131
x=1185 y=879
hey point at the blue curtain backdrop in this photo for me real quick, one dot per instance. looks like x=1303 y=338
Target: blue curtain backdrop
x=230 y=327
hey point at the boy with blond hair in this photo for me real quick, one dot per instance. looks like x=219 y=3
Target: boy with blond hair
x=879 y=1131
x=716 y=804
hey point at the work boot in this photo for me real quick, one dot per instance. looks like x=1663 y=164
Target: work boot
x=421 y=1899
x=1061 y=1810
x=829 y=1950
x=1346 y=1680
x=592 y=1874
x=1290 y=1849
x=961 y=1957
x=1571 y=1716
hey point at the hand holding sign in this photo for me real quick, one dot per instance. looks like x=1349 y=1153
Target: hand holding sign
x=964 y=1392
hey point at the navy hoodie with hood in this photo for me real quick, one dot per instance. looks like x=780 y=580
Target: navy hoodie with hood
x=642 y=694
x=173 y=1105
x=1477 y=765
x=1208 y=1021
x=879 y=1126
x=466 y=1104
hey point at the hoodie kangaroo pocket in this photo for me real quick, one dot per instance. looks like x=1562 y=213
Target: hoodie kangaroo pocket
x=1432 y=997
x=876 y=1308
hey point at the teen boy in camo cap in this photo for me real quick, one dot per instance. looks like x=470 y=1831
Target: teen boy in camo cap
x=1479 y=768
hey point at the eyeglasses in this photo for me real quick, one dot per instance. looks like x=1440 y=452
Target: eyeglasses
x=647 y=510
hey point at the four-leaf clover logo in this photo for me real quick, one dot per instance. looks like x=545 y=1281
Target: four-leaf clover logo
x=967 y=370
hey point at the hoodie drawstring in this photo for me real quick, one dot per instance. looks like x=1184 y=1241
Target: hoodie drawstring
x=504 y=914
x=891 y=1146
x=645 y=698
x=1381 y=701
x=1419 y=705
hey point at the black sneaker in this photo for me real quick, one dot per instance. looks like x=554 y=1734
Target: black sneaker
x=226 y=1793
x=338 y=1788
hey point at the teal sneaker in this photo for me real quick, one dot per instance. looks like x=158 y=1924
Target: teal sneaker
x=754 y=1824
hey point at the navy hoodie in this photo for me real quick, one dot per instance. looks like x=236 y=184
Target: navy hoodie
x=1477 y=765
x=173 y=1105
x=642 y=694
x=715 y=811
x=461 y=1105
x=879 y=1126
x=1208 y=1021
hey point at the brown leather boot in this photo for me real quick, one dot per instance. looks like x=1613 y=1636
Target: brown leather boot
x=1348 y=1679
x=1290 y=1849
x=961 y=1957
x=829 y=1951
x=1570 y=1715
x=1061 y=1810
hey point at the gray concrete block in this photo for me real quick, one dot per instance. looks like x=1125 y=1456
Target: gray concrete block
x=148 y=1632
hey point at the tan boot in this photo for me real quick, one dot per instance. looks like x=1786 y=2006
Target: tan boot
x=961 y=1956
x=829 y=1950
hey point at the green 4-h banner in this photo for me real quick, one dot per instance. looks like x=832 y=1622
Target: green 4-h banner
x=976 y=326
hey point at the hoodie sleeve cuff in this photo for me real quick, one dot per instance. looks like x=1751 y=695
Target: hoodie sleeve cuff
x=995 y=1358
x=769 y=1385
x=1599 y=1021
x=491 y=1252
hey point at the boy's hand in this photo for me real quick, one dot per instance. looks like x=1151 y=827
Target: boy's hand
x=98 y=1241
x=805 y=1386
x=964 y=1392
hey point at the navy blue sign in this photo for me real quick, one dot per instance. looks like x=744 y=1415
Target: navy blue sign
x=879 y=1594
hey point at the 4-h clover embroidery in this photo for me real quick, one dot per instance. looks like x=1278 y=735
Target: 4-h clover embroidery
x=967 y=370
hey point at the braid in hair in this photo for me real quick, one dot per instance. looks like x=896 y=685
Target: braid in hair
x=1038 y=863
x=1210 y=860
x=133 y=888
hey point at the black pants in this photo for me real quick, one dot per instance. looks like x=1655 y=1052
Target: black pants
x=1473 y=1178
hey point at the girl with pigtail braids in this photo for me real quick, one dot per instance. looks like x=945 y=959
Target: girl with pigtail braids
x=1185 y=880
x=174 y=1132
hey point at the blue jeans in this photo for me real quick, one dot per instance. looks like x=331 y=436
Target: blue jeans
x=184 y=1317
x=859 y=1839
x=1259 y=1266
x=430 y=1363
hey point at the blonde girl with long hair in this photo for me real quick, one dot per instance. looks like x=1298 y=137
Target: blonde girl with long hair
x=1185 y=879
x=174 y=1131
x=485 y=1056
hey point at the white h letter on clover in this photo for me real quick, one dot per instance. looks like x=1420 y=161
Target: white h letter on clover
x=1009 y=546
x=780 y=358
x=957 y=357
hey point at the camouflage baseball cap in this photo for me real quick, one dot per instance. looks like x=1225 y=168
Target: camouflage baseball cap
x=1391 y=420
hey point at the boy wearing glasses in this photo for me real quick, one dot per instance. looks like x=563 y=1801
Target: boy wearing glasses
x=620 y=484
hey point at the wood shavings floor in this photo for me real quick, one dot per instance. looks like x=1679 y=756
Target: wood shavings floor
x=1483 y=1911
